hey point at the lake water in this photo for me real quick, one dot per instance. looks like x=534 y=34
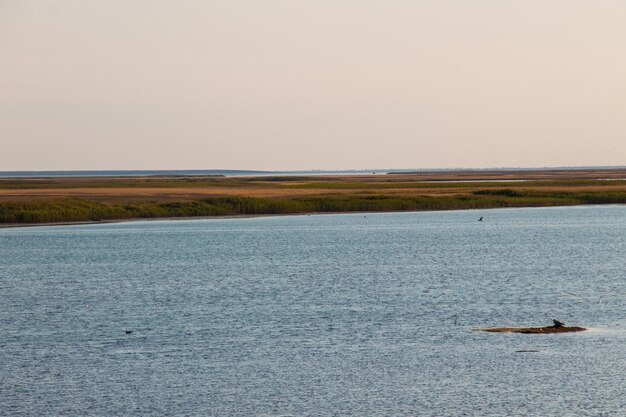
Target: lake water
x=185 y=172
x=324 y=315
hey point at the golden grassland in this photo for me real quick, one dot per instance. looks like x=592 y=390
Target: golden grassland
x=52 y=200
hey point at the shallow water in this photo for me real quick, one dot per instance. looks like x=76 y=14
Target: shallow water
x=192 y=172
x=317 y=315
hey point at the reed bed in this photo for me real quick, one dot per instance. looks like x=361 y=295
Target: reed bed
x=77 y=210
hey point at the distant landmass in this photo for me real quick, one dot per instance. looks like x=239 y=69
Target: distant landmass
x=249 y=173
x=170 y=173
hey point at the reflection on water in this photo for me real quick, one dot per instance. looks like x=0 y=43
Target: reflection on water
x=316 y=315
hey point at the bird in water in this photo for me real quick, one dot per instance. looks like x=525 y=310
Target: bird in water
x=481 y=219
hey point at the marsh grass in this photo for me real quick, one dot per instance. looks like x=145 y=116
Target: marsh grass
x=75 y=210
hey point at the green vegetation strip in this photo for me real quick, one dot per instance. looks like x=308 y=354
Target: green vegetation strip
x=76 y=210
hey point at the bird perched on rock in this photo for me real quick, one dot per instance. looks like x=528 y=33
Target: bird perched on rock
x=558 y=323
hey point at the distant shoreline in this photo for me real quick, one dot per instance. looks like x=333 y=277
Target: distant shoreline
x=89 y=200
x=263 y=173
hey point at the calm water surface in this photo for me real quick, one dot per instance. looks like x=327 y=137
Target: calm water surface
x=317 y=315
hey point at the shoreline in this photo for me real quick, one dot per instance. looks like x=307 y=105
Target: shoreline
x=151 y=219
x=75 y=201
x=251 y=216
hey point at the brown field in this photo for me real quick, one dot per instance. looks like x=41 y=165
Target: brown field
x=450 y=183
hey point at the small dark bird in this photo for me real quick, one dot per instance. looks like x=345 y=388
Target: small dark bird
x=128 y=331
x=558 y=323
x=481 y=219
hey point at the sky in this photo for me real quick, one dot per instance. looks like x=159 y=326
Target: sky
x=311 y=84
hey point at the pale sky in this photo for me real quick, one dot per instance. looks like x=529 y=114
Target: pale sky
x=311 y=84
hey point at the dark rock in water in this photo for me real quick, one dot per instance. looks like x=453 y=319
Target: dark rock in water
x=128 y=331
x=558 y=327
